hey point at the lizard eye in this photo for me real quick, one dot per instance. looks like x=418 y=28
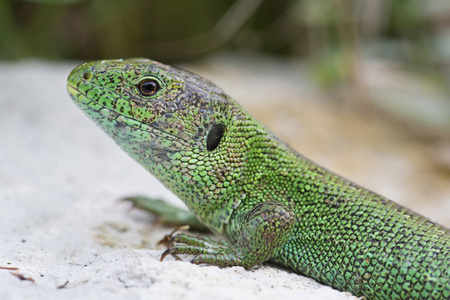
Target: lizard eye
x=214 y=136
x=148 y=87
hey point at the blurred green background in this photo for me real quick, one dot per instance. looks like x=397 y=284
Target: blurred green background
x=331 y=35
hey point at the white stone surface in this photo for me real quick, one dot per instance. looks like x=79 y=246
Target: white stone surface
x=62 y=225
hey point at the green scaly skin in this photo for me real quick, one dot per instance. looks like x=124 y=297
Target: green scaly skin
x=265 y=199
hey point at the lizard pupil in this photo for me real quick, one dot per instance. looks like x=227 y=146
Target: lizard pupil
x=214 y=136
x=148 y=87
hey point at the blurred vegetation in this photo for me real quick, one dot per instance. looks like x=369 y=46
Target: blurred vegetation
x=330 y=34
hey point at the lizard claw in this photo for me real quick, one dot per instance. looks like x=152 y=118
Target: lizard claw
x=167 y=252
x=164 y=255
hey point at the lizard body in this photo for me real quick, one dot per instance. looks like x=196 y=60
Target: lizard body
x=265 y=199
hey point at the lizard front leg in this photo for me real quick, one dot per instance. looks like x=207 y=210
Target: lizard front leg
x=253 y=238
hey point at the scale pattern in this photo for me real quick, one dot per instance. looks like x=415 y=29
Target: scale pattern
x=268 y=201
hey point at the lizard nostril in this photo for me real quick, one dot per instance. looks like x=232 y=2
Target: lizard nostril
x=87 y=75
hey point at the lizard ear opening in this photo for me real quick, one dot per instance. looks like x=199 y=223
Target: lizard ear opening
x=214 y=136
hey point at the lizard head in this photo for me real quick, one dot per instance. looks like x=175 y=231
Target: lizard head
x=148 y=107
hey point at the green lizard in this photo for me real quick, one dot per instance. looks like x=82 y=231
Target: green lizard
x=268 y=202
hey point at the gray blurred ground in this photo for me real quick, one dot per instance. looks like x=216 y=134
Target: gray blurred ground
x=64 y=229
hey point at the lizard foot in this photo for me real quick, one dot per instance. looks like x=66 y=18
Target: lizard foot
x=204 y=249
